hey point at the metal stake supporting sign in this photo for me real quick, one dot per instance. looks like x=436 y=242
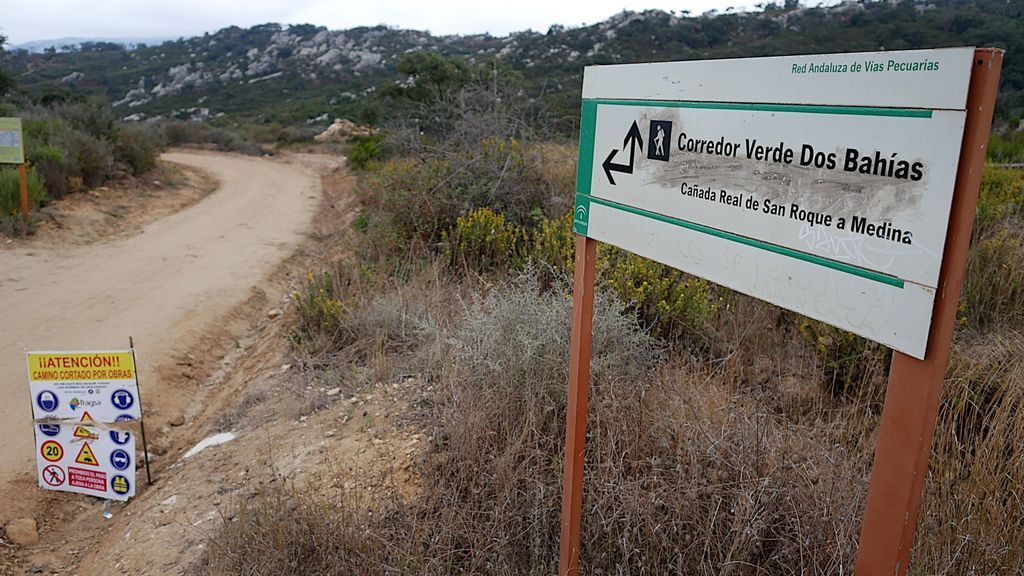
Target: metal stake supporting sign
x=914 y=391
x=142 y=423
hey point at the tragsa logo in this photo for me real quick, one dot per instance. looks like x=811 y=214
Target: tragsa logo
x=76 y=403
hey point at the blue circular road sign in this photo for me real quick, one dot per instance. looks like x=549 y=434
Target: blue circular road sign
x=120 y=485
x=122 y=399
x=120 y=459
x=47 y=401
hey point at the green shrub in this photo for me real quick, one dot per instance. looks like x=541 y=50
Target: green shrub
x=1006 y=148
x=320 y=314
x=501 y=173
x=409 y=198
x=470 y=167
x=1001 y=196
x=671 y=303
x=273 y=133
x=89 y=158
x=179 y=133
x=851 y=366
x=78 y=145
x=10 y=191
x=362 y=221
x=552 y=242
x=46 y=139
x=294 y=135
x=43 y=129
x=366 y=150
x=484 y=241
x=50 y=163
x=93 y=117
x=138 y=147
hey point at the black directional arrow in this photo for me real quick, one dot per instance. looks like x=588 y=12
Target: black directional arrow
x=633 y=140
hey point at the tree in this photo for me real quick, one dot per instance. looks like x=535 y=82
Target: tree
x=6 y=80
x=432 y=75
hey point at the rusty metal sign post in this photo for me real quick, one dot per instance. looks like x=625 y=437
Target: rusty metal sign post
x=914 y=99
x=914 y=391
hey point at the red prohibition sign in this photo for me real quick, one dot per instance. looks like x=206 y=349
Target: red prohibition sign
x=53 y=475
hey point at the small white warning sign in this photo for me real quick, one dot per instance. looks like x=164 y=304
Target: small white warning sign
x=86 y=459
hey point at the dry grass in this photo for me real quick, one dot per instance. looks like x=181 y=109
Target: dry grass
x=973 y=511
x=283 y=531
x=687 y=472
x=749 y=455
x=747 y=464
x=349 y=314
x=993 y=295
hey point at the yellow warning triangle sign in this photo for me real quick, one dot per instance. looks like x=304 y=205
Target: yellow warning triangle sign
x=83 y=432
x=86 y=418
x=85 y=456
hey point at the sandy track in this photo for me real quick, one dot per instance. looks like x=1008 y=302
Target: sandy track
x=165 y=286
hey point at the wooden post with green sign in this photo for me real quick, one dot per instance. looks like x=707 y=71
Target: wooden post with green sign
x=12 y=151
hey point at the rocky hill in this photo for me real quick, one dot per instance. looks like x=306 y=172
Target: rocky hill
x=294 y=74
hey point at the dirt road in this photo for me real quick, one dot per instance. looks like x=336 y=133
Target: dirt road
x=165 y=286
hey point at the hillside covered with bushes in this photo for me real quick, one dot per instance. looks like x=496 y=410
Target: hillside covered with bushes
x=298 y=74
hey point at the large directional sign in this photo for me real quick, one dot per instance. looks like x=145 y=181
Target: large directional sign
x=819 y=183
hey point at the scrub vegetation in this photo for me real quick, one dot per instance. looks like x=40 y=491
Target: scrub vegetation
x=279 y=76
x=71 y=147
x=726 y=436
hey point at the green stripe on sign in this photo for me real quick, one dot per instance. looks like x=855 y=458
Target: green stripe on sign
x=585 y=164
x=813 y=259
x=794 y=108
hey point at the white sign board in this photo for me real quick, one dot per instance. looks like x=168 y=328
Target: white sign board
x=821 y=184
x=12 y=145
x=86 y=460
x=65 y=385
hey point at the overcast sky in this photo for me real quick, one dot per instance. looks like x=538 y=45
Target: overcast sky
x=51 y=19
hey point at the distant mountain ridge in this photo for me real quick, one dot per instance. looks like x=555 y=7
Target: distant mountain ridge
x=295 y=74
x=75 y=42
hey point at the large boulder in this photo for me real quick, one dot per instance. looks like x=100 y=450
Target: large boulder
x=342 y=130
